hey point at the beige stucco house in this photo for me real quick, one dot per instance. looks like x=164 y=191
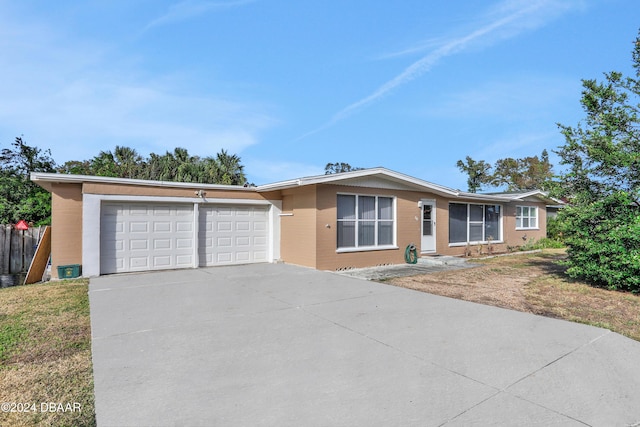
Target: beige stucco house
x=328 y=222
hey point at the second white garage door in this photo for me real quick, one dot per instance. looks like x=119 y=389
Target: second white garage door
x=231 y=234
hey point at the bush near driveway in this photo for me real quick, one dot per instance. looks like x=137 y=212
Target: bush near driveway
x=601 y=181
x=604 y=242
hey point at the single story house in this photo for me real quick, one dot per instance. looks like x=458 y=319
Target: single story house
x=329 y=222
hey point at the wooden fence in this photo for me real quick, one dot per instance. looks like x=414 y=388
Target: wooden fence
x=17 y=248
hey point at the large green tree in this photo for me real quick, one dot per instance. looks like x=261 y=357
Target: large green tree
x=478 y=173
x=230 y=170
x=601 y=226
x=178 y=165
x=528 y=173
x=20 y=198
x=339 y=167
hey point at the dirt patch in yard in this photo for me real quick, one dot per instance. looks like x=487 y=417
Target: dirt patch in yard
x=534 y=283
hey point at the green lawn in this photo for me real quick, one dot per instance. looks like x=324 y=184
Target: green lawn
x=46 y=375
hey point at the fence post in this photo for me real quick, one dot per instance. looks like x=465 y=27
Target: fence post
x=6 y=249
x=3 y=251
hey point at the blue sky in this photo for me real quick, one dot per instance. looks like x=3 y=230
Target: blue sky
x=411 y=85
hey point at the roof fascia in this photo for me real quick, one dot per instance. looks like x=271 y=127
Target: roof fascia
x=346 y=176
x=46 y=179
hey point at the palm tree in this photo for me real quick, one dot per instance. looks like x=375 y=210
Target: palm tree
x=128 y=162
x=230 y=172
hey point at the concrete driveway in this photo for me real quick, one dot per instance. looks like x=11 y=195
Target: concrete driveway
x=279 y=345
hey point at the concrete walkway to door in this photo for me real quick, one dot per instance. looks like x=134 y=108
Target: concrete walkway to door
x=279 y=345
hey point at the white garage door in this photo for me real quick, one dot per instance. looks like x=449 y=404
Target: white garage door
x=145 y=236
x=233 y=234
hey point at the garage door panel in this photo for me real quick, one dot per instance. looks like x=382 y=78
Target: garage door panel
x=242 y=256
x=184 y=243
x=112 y=210
x=161 y=211
x=184 y=226
x=161 y=244
x=243 y=241
x=119 y=263
x=224 y=242
x=260 y=241
x=224 y=257
x=233 y=234
x=184 y=260
x=138 y=227
x=138 y=262
x=224 y=226
x=138 y=244
x=162 y=261
x=138 y=211
x=113 y=227
x=161 y=226
x=243 y=226
x=158 y=236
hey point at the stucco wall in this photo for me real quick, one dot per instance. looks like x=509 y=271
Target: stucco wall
x=145 y=190
x=520 y=237
x=408 y=222
x=298 y=226
x=511 y=238
x=308 y=222
x=66 y=225
x=309 y=236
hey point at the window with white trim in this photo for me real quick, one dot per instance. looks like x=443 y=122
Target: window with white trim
x=365 y=221
x=474 y=223
x=526 y=217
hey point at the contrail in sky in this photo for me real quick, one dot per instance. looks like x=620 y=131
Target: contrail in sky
x=447 y=48
x=187 y=9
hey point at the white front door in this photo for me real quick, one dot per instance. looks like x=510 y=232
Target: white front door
x=428 y=241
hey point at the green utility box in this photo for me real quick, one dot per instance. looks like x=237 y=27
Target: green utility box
x=69 y=271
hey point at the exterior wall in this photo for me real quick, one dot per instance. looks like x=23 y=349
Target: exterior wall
x=442 y=226
x=145 y=190
x=515 y=237
x=306 y=226
x=408 y=229
x=408 y=223
x=511 y=237
x=298 y=226
x=66 y=228
x=71 y=215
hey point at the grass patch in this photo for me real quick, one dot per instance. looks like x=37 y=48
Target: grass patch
x=535 y=283
x=45 y=355
x=11 y=333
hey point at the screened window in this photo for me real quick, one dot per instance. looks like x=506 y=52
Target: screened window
x=526 y=217
x=474 y=223
x=457 y=223
x=365 y=221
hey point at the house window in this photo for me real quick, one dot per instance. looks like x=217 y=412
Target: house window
x=526 y=217
x=365 y=221
x=474 y=223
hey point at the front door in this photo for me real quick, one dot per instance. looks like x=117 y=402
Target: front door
x=428 y=241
